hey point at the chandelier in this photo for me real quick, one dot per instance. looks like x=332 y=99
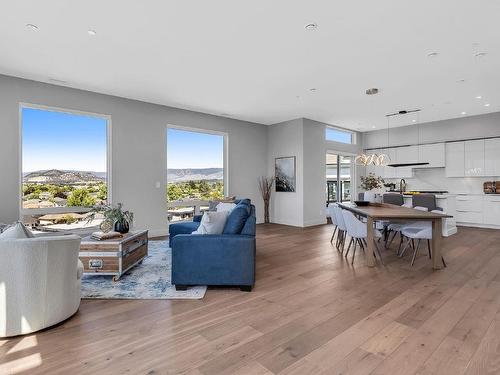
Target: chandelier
x=372 y=159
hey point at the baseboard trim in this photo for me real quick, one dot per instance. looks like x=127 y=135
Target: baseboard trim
x=311 y=223
x=484 y=226
x=157 y=232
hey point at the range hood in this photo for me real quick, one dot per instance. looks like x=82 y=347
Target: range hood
x=395 y=165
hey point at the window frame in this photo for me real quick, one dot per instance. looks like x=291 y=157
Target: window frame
x=353 y=135
x=61 y=210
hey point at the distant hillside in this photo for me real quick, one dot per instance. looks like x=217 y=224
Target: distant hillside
x=56 y=176
x=190 y=174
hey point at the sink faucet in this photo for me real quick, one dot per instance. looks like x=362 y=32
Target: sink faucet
x=402 y=185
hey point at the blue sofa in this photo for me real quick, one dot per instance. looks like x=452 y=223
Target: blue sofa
x=216 y=259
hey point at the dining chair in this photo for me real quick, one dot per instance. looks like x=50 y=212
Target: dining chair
x=342 y=230
x=419 y=234
x=425 y=200
x=331 y=213
x=358 y=231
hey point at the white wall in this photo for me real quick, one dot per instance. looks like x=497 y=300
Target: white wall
x=305 y=139
x=138 y=147
x=285 y=139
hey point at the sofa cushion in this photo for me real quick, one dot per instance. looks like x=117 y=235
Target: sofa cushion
x=225 y=207
x=212 y=205
x=236 y=219
x=212 y=223
x=17 y=230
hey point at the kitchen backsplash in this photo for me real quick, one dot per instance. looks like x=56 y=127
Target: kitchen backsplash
x=435 y=179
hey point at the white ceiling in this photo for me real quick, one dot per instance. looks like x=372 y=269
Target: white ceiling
x=253 y=60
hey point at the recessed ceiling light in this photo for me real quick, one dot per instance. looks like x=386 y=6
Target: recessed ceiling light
x=372 y=91
x=413 y=120
x=91 y=32
x=463 y=113
x=481 y=54
x=373 y=126
x=479 y=97
x=313 y=89
x=487 y=105
x=311 y=26
x=57 y=81
x=32 y=27
x=433 y=54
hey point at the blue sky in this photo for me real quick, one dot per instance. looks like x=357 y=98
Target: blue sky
x=56 y=140
x=186 y=149
x=338 y=135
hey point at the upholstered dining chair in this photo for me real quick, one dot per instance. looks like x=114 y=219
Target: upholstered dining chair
x=358 y=231
x=331 y=213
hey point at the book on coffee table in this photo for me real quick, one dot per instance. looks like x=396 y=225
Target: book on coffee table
x=105 y=236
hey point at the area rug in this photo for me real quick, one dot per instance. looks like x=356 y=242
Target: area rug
x=149 y=280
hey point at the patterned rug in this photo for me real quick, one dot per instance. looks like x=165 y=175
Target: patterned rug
x=149 y=280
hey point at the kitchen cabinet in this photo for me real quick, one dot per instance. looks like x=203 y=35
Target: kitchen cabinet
x=491 y=215
x=390 y=172
x=433 y=153
x=474 y=158
x=492 y=157
x=469 y=209
x=407 y=154
x=455 y=159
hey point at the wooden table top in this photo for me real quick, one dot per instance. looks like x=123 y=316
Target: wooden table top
x=390 y=211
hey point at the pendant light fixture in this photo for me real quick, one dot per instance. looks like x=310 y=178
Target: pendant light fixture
x=418 y=137
x=372 y=159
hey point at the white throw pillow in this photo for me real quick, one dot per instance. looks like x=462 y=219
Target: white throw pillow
x=17 y=230
x=212 y=223
x=225 y=207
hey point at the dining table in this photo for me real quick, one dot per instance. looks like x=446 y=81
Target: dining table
x=374 y=212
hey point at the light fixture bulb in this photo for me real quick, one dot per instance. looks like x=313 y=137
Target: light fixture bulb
x=91 y=32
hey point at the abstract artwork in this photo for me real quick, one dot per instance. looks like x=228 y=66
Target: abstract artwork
x=285 y=174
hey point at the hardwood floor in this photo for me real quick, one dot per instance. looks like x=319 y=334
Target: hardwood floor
x=311 y=312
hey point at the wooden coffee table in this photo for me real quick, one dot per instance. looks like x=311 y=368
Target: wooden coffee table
x=113 y=257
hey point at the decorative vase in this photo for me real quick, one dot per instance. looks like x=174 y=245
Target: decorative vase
x=266 y=211
x=370 y=196
x=122 y=227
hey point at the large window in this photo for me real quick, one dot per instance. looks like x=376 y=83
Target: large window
x=195 y=171
x=64 y=167
x=338 y=135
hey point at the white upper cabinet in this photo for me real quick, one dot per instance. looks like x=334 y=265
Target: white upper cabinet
x=434 y=154
x=474 y=158
x=407 y=154
x=492 y=157
x=390 y=172
x=455 y=159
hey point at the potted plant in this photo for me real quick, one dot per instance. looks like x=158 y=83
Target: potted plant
x=114 y=217
x=371 y=184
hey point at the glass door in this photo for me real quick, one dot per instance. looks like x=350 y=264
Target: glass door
x=339 y=174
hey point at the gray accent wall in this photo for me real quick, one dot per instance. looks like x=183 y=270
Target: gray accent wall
x=138 y=147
